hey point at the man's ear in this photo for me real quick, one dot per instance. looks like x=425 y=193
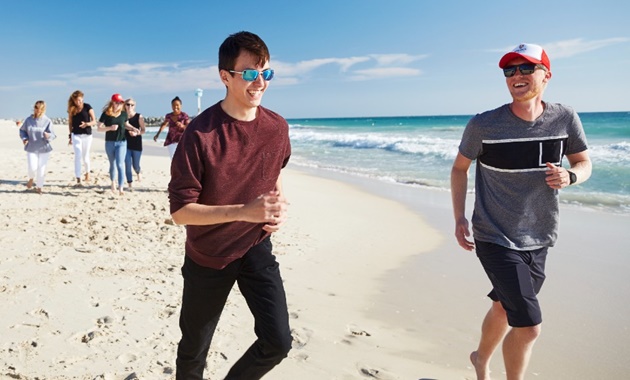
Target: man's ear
x=224 y=76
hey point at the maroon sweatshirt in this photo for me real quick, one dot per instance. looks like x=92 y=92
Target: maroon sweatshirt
x=224 y=161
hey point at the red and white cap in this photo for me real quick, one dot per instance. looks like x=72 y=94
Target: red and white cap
x=117 y=98
x=531 y=52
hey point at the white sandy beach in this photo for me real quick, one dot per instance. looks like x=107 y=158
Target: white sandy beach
x=377 y=288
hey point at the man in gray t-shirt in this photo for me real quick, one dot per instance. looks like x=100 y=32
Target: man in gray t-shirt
x=519 y=149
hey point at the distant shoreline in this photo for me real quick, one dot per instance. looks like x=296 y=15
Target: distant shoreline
x=157 y=120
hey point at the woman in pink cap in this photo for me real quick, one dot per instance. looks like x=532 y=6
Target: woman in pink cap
x=113 y=122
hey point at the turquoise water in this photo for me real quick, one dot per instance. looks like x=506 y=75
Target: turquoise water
x=419 y=151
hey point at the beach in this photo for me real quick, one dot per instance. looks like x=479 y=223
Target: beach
x=376 y=284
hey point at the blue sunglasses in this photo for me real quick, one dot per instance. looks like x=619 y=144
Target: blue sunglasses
x=252 y=75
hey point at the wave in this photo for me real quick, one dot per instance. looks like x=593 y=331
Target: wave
x=366 y=173
x=615 y=153
x=418 y=145
x=616 y=203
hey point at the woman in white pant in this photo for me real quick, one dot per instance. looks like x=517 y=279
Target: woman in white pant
x=81 y=119
x=36 y=133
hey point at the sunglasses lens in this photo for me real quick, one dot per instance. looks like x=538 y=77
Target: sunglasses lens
x=527 y=69
x=267 y=74
x=250 y=75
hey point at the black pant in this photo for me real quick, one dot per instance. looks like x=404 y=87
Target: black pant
x=205 y=293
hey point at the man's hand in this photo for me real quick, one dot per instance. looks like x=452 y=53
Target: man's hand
x=269 y=208
x=557 y=176
x=462 y=232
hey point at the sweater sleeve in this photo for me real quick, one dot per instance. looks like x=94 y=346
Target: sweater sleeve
x=23 y=133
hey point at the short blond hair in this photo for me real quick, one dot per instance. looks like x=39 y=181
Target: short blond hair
x=39 y=108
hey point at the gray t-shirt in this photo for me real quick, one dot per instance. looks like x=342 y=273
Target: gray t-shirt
x=514 y=207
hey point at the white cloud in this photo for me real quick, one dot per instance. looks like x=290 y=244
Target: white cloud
x=384 y=72
x=398 y=59
x=159 y=77
x=570 y=48
x=382 y=67
x=576 y=46
x=299 y=68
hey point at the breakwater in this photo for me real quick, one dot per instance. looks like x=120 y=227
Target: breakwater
x=149 y=121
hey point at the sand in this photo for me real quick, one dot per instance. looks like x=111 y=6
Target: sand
x=377 y=288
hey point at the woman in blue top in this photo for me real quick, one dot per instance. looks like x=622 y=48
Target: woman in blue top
x=113 y=122
x=36 y=133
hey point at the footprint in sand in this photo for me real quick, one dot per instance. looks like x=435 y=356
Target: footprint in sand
x=86 y=338
x=127 y=358
x=374 y=373
x=353 y=332
x=301 y=337
x=301 y=357
x=356 y=331
x=40 y=312
x=106 y=320
x=167 y=312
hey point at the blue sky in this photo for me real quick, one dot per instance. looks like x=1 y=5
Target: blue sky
x=332 y=58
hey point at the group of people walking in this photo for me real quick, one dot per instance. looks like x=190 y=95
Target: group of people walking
x=123 y=128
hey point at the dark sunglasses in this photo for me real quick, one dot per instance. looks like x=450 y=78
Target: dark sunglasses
x=130 y=105
x=252 y=75
x=524 y=68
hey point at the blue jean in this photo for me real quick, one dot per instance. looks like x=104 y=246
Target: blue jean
x=132 y=159
x=205 y=293
x=116 y=151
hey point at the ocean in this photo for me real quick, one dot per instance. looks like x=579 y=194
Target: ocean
x=419 y=151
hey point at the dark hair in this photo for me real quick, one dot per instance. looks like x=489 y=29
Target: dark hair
x=176 y=99
x=241 y=41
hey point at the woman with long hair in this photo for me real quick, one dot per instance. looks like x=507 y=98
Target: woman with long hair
x=81 y=119
x=36 y=133
x=113 y=122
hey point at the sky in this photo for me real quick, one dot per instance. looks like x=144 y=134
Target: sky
x=331 y=58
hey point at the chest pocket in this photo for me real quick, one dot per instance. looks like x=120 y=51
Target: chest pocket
x=552 y=151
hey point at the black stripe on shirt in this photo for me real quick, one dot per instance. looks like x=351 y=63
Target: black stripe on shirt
x=523 y=154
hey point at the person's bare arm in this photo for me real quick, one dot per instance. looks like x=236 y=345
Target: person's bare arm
x=164 y=124
x=558 y=177
x=142 y=126
x=459 y=188
x=266 y=208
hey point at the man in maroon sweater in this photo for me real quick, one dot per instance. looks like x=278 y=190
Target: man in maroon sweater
x=225 y=187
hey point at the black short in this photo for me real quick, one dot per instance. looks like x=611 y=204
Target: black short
x=516 y=277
